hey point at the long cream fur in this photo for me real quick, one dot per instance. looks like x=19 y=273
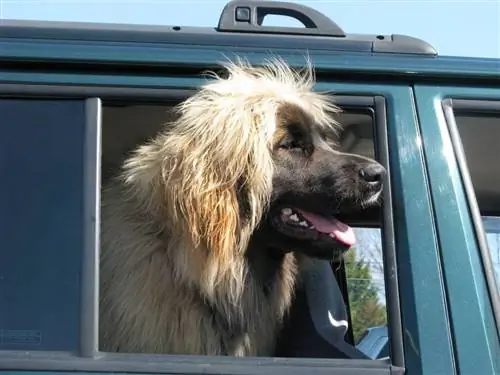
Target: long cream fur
x=172 y=236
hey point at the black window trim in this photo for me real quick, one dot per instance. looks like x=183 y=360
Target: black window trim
x=450 y=108
x=90 y=359
x=388 y=239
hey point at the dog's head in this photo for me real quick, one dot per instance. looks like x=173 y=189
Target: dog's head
x=314 y=185
x=255 y=152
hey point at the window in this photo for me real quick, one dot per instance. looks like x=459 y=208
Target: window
x=51 y=277
x=364 y=267
x=40 y=276
x=479 y=133
x=366 y=286
x=478 y=125
x=364 y=264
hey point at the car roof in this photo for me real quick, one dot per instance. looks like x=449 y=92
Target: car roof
x=239 y=31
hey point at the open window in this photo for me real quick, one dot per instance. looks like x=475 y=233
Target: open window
x=361 y=274
x=477 y=134
x=57 y=153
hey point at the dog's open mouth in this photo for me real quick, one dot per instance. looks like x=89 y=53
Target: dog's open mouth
x=307 y=225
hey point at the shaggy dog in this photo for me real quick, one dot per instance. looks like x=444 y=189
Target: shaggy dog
x=206 y=226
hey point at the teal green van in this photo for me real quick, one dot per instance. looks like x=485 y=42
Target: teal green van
x=422 y=286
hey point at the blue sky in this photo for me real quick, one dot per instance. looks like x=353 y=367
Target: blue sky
x=458 y=27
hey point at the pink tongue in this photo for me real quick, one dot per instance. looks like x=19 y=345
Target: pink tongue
x=341 y=231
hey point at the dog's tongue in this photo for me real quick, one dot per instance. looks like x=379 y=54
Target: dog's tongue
x=341 y=231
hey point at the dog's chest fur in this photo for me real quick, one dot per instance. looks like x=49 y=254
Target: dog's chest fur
x=251 y=327
x=147 y=306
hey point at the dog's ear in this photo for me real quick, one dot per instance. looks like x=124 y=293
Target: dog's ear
x=206 y=201
x=223 y=162
x=201 y=170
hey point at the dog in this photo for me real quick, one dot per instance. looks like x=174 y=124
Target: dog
x=206 y=227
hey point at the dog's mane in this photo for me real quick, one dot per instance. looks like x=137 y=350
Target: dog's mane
x=276 y=82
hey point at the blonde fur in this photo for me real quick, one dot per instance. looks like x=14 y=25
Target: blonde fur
x=173 y=236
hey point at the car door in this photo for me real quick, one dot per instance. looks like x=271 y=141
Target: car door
x=460 y=133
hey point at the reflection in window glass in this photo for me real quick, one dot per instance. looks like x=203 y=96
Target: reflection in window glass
x=365 y=282
x=492 y=228
x=479 y=133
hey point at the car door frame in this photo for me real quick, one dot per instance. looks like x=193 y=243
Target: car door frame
x=462 y=246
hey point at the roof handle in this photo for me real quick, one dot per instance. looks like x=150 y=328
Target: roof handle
x=248 y=15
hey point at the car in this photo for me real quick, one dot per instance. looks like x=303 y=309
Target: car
x=423 y=280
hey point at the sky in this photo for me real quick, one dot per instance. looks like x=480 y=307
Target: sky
x=453 y=27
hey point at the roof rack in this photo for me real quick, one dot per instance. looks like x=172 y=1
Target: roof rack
x=240 y=24
x=247 y=16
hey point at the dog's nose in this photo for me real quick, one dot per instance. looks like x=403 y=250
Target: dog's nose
x=372 y=173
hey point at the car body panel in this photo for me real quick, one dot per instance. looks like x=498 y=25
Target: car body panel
x=476 y=339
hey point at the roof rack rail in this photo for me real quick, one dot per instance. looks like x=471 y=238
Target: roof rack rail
x=240 y=24
x=247 y=16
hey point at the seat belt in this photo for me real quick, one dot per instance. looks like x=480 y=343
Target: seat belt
x=317 y=323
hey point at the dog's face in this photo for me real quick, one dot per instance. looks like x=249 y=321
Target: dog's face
x=314 y=184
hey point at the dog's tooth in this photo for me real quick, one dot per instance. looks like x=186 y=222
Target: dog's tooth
x=332 y=235
x=286 y=211
x=294 y=217
x=304 y=224
x=312 y=227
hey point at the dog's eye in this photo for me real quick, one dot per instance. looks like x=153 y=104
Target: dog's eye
x=293 y=140
x=325 y=137
x=290 y=143
x=329 y=139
